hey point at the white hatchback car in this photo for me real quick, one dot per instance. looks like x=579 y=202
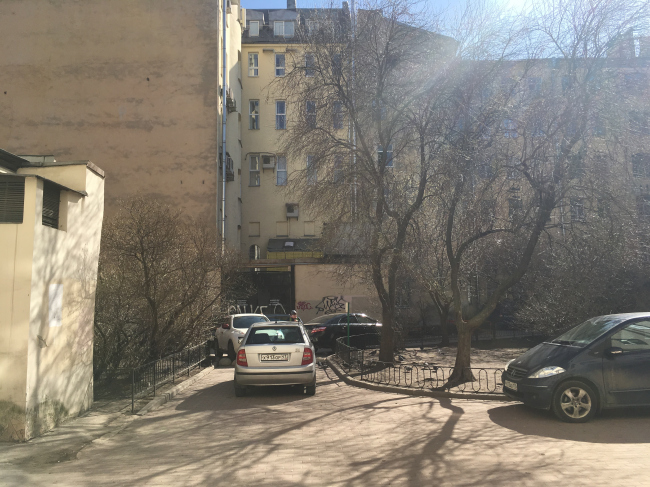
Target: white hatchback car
x=278 y=353
x=231 y=333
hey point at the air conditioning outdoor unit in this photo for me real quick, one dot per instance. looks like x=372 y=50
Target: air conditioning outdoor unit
x=292 y=210
x=268 y=162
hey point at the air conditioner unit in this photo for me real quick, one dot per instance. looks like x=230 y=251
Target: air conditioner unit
x=268 y=162
x=292 y=210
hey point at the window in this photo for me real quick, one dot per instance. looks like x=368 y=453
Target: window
x=253 y=64
x=484 y=169
x=51 y=202
x=280 y=115
x=634 y=337
x=639 y=122
x=254 y=171
x=253 y=229
x=512 y=171
x=388 y=155
x=566 y=83
x=254 y=114
x=12 y=199
x=281 y=171
x=577 y=210
x=510 y=128
x=534 y=85
x=283 y=28
x=338 y=175
x=279 y=65
x=337 y=115
x=282 y=229
x=312 y=27
x=576 y=166
x=643 y=207
x=254 y=28
x=312 y=172
x=311 y=114
x=309 y=65
x=254 y=252
x=310 y=229
x=538 y=128
x=336 y=65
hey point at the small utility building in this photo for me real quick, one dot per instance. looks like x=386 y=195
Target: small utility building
x=50 y=228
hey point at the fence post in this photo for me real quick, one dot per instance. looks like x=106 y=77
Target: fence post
x=173 y=367
x=188 y=362
x=154 y=378
x=132 y=390
x=362 y=352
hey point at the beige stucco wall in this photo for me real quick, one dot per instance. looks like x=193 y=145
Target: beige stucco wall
x=131 y=83
x=319 y=291
x=45 y=370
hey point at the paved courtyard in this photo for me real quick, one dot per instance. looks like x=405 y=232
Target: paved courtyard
x=343 y=436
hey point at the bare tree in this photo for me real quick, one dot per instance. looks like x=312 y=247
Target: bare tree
x=161 y=279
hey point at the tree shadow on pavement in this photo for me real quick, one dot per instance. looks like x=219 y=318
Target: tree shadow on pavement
x=613 y=426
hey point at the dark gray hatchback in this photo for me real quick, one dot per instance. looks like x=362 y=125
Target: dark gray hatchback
x=601 y=363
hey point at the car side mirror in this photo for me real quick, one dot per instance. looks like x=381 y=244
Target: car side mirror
x=612 y=352
x=226 y=326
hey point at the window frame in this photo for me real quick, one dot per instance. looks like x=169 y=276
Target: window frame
x=311 y=114
x=253 y=64
x=250 y=24
x=310 y=63
x=283 y=24
x=281 y=168
x=283 y=68
x=312 y=170
x=254 y=170
x=253 y=116
x=12 y=199
x=280 y=117
x=390 y=162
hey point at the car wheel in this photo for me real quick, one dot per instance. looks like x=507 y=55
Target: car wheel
x=310 y=390
x=218 y=353
x=231 y=352
x=574 y=402
x=239 y=390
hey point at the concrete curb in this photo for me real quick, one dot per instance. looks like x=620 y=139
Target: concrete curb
x=345 y=377
x=158 y=401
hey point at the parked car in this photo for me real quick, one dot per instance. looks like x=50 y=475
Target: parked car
x=321 y=322
x=600 y=364
x=325 y=337
x=230 y=334
x=275 y=354
x=281 y=317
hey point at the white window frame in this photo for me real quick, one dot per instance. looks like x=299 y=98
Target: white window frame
x=310 y=113
x=280 y=28
x=310 y=62
x=280 y=69
x=253 y=115
x=312 y=27
x=337 y=115
x=281 y=175
x=510 y=128
x=280 y=115
x=253 y=64
x=254 y=32
x=254 y=170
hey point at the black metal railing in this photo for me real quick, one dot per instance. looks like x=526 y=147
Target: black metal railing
x=149 y=377
x=360 y=359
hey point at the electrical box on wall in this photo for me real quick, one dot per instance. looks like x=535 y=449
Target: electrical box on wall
x=292 y=210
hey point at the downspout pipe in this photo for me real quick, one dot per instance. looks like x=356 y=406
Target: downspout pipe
x=224 y=115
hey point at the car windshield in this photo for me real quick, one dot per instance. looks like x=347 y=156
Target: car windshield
x=247 y=321
x=585 y=333
x=275 y=334
x=321 y=319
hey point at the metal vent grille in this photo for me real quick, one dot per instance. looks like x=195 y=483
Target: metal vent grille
x=51 y=200
x=12 y=199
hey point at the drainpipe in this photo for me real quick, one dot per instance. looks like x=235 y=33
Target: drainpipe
x=353 y=19
x=224 y=116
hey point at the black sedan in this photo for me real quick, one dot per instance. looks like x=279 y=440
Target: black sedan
x=324 y=330
x=601 y=363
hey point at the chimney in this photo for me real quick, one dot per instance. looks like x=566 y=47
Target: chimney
x=291 y=4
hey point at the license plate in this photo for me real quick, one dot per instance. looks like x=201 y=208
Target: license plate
x=274 y=357
x=510 y=385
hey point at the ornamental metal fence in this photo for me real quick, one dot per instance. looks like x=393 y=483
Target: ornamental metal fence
x=360 y=358
x=149 y=377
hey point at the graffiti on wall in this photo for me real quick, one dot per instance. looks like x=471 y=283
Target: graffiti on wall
x=303 y=305
x=331 y=304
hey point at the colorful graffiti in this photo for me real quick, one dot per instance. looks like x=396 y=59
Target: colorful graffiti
x=331 y=304
x=303 y=305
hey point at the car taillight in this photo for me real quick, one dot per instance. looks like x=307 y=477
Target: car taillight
x=320 y=328
x=241 y=358
x=307 y=357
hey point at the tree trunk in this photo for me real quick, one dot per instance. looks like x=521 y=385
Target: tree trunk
x=387 y=339
x=444 y=327
x=462 y=372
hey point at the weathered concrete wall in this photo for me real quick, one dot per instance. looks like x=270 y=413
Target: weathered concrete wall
x=46 y=347
x=130 y=83
x=319 y=292
x=16 y=248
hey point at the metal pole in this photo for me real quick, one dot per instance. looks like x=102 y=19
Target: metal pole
x=154 y=378
x=188 y=362
x=347 y=305
x=224 y=116
x=173 y=367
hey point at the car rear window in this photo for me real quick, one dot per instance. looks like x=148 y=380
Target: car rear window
x=247 y=321
x=319 y=320
x=275 y=334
